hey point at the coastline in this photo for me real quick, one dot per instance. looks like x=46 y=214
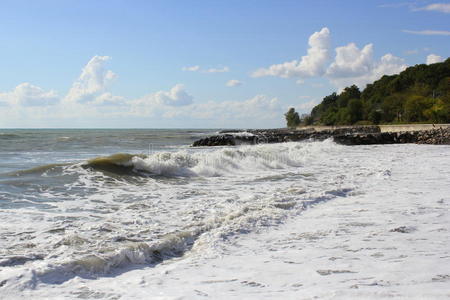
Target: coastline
x=434 y=134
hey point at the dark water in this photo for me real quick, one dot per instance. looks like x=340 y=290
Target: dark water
x=27 y=148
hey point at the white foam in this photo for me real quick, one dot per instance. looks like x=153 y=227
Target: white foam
x=329 y=195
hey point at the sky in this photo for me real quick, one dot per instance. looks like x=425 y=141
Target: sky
x=201 y=63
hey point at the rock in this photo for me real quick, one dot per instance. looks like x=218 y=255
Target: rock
x=357 y=135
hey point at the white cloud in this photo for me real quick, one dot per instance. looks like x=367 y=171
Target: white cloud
x=26 y=94
x=233 y=82
x=108 y=99
x=218 y=70
x=209 y=70
x=258 y=111
x=258 y=108
x=428 y=32
x=351 y=62
x=433 y=58
x=89 y=103
x=312 y=64
x=440 y=7
x=351 y=65
x=396 y=5
x=354 y=66
x=176 y=96
x=93 y=80
x=191 y=69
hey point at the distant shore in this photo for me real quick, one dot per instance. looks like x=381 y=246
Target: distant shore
x=436 y=134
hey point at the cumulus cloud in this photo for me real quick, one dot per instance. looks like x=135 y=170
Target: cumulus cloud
x=440 y=7
x=433 y=58
x=428 y=32
x=312 y=64
x=233 y=82
x=92 y=82
x=351 y=62
x=258 y=108
x=26 y=94
x=108 y=99
x=217 y=70
x=258 y=111
x=89 y=103
x=354 y=66
x=176 y=96
x=209 y=70
x=191 y=69
x=351 y=65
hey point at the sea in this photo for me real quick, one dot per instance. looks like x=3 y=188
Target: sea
x=140 y=214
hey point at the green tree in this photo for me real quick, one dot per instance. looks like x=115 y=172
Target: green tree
x=347 y=94
x=329 y=117
x=420 y=93
x=439 y=112
x=392 y=108
x=343 y=116
x=375 y=116
x=414 y=108
x=292 y=118
x=355 y=110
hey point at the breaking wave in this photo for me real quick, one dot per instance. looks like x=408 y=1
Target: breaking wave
x=105 y=225
x=217 y=162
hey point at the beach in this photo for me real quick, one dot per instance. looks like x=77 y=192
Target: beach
x=163 y=220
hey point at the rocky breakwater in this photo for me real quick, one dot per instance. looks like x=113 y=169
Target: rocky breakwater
x=268 y=136
x=356 y=135
x=440 y=136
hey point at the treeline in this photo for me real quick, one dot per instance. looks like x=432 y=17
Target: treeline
x=419 y=94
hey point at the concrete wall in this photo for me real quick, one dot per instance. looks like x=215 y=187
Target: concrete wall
x=411 y=127
x=322 y=128
x=383 y=128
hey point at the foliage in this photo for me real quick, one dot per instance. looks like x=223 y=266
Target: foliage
x=292 y=118
x=419 y=94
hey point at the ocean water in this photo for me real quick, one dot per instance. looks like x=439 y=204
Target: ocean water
x=114 y=213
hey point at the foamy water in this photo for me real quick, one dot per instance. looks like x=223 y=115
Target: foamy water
x=113 y=221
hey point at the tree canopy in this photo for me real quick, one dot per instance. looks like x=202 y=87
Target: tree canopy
x=292 y=118
x=418 y=94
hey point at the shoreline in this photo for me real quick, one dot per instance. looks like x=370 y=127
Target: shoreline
x=439 y=134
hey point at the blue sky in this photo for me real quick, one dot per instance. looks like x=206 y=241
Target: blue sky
x=201 y=64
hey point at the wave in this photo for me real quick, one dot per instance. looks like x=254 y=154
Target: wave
x=120 y=163
x=191 y=164
x=204 y=231
x=135 y=254
x=9 y=136
x=38 y=170
x=204 y=162
x=96 y=265
x=123 y=256
x=230 y=160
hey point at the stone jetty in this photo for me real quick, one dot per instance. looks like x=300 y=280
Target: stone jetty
x=351 y=135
